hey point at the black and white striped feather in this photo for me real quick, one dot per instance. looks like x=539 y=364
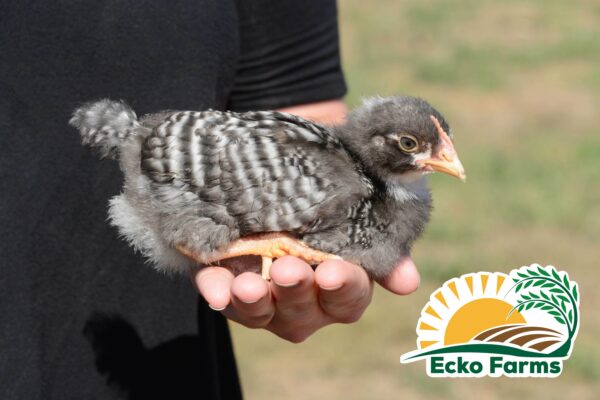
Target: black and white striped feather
x=203 y=179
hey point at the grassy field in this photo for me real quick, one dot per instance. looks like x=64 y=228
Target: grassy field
x=519 y=82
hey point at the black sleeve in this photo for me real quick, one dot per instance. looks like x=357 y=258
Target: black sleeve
x=289 y=54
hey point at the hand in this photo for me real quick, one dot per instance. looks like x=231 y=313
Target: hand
x=298 y=301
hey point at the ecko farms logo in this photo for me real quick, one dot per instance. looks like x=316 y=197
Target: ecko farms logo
x=523 y=324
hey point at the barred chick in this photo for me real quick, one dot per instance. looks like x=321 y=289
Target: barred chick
x=199 y=181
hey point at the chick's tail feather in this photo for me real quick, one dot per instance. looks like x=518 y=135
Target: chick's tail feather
x=105 y=125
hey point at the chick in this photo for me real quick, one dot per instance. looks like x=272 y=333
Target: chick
x=203 y=186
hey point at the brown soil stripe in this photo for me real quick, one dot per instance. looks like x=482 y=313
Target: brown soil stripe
x=515 y=331
x=542 y=345
x=507 y=335
x=485 y=334
x=528 y=338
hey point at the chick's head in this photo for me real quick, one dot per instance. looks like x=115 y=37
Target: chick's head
x=399 y=139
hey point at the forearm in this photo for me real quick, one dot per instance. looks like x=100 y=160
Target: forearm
x=329 y=112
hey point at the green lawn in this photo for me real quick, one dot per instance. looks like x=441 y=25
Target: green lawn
x=519 y=82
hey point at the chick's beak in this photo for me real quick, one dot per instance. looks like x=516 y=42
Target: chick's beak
x=445 y=160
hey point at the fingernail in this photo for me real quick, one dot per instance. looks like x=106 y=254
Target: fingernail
x=286 y=285
x=215 y=308
x=249 y=302
x=332 y=288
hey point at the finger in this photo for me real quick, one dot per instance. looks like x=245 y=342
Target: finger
x=293 y=288
x=298 y=313
x=251 y=303
x=214 y=284
x=345 y=290
x=404 y=279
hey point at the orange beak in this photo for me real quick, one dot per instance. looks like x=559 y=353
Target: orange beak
x=445 y=160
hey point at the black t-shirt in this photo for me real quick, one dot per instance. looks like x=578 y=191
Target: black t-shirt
x=81 y=317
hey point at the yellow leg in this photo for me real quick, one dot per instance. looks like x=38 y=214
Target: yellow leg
x=267 y=246
x=266 y=267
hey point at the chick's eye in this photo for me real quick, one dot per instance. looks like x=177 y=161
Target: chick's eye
x=408 y=143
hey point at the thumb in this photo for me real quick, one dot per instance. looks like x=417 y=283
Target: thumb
x=404 y=278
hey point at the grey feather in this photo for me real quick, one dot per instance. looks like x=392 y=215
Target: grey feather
x=105 y=125
x=205 y=178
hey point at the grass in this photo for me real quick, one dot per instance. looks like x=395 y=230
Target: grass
x=519 y=83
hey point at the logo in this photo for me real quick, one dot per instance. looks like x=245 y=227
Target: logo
x=491 y=324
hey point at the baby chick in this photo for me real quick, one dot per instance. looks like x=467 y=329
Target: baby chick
x=203 y=186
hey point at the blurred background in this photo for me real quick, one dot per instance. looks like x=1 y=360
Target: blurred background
x=519 y=82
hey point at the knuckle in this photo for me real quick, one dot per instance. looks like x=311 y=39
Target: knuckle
x=251 y=324
x=296 y=336
x=254 y=323
x=350 y=318
x=295 y=311
x=345 y=311
x=295 y=331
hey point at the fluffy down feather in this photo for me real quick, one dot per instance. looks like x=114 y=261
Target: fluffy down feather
x=203 y=179
x=105 y=125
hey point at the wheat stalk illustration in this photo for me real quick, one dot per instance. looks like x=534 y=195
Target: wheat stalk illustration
x=556 y=295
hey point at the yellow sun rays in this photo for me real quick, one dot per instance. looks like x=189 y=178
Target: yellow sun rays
x=437 y=325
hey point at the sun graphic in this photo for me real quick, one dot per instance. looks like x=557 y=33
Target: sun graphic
x=465 y=307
